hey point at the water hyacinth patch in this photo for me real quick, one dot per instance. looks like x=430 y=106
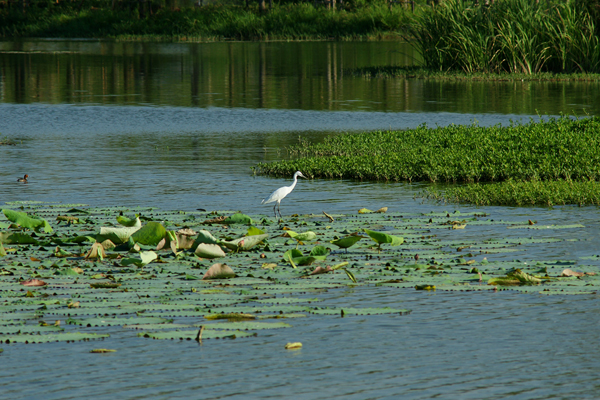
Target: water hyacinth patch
x=51 y=289
x=551 y=162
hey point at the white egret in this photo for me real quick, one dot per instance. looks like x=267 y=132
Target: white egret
x=280 y=193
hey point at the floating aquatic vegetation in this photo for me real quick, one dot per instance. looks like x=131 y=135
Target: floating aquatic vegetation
x=67 y=284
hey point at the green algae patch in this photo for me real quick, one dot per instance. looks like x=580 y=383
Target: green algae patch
x=166 y=298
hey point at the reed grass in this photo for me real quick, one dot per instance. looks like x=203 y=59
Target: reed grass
x=516 y=36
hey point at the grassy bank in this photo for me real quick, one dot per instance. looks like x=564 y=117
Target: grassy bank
x=534 y=155
x=291 y=21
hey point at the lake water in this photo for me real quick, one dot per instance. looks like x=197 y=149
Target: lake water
x=179 y=126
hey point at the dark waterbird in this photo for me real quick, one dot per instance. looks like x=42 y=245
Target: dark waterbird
x=23 y=179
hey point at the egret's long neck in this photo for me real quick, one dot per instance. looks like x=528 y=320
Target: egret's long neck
x=293 y=185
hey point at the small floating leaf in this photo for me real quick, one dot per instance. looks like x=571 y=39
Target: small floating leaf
x=293 y=346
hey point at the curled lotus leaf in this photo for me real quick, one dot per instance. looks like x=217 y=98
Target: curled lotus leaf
x=515 y=277
x=244 y=243
x=26 y=221
x=381 y=238
x=97 y=251
x=302 y=237
x=206 y=237
x=150 y=234
x=33 y=282
x=219 y=271
x=126 y=221
x=16 y=238
x=570 y=272
x=118 y=235
x=347 y=241
x=321 y=270
x=146 y=257
x=209 y=251
x=238 y=218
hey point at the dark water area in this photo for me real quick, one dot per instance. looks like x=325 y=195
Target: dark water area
x=179 y=126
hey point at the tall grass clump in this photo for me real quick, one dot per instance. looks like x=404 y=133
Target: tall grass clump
x=516 y=36
x=559 y=148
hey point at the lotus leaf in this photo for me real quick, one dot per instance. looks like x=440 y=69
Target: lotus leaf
x=238 y=218
x=206 y=237
x=244 y=243
x=219 y=271
x=347 y=241
x=150 y=234
x=97 y=251
x=359 y=311
x=26 y=221
x=302 y=237
x=192 y=335
x=52 y=337
x=381 y=238
x=146 y=257
x=209 y=251
x=126 y=221
x=118 y=235
x=245 y=325
x=252 y=231
x=16 y=238
x=516 y=277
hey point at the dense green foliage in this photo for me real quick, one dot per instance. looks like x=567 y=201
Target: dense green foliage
x=509 y=35
x=561 y=148
x=291 y=21
x=519 y=193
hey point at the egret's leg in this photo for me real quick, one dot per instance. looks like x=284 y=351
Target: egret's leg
x=275 y=212
x=279 y=209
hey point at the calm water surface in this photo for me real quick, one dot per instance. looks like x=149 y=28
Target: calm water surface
x=178 y=126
